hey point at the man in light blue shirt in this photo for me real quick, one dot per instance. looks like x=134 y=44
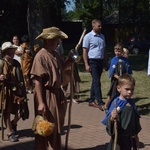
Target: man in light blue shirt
x=93 y=55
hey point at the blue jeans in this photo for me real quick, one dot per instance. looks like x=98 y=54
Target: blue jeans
x=96 y=66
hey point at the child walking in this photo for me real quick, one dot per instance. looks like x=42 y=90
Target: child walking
x=118 y=65
x=123 y=110
x=12 y=94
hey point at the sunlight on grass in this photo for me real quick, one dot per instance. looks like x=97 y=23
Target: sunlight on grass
x=141 y=93
x=142 y=88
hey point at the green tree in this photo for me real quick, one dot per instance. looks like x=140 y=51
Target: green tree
x=42 y=14
x=85 y=10
x=34 y=15
x=12 y=19
x=88 y=10
x=129 y=11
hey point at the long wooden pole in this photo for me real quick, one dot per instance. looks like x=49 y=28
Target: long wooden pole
x=3 y=99
x=79 y=43
x=115 y=128
x=2 y=111
x=71 y=91
x=115 y=106
x=70 y=106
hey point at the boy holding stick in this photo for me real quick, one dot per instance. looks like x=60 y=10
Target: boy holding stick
x=126 y=116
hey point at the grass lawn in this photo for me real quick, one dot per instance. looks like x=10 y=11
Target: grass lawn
x=142 y=90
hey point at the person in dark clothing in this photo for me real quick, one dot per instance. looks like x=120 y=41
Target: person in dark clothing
x=12 y=95
x=124 y=112
x=118 y=65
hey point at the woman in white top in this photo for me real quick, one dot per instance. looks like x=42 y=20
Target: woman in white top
x=19 y=51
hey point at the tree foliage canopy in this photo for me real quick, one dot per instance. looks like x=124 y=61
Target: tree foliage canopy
x=30 y=16
x=14 y=16
x=129 y=11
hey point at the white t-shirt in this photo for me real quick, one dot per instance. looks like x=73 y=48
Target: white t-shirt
x=18 y=57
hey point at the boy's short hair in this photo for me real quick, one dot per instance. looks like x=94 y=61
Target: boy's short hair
x=118 y=46
x=125 y=79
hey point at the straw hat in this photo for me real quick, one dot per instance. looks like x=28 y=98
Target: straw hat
x=7 y=45
x=51 y=33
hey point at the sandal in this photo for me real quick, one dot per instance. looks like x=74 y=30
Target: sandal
x=12 y=137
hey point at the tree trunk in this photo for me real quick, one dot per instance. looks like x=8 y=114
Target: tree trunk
x=37 y=19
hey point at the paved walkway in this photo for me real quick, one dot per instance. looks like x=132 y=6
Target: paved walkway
x=86 y=133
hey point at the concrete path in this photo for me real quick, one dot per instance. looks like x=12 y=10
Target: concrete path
x=86 y=132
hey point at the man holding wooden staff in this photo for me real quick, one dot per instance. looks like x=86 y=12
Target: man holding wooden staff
x=47 y=75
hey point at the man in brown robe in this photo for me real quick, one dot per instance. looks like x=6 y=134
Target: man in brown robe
x=49 y=98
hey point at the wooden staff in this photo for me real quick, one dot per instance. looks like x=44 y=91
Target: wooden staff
x=71 y=91
x=120 y=67
x=115 y=128
x=70 y=106
x=115 y=106
x=79 y=43
x=2 y=100
x=2 y=111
